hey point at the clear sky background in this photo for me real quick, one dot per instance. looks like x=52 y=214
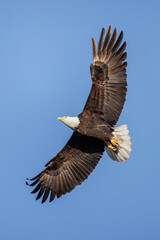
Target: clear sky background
x=45 y=54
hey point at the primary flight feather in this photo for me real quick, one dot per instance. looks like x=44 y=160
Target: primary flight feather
x=93 y=129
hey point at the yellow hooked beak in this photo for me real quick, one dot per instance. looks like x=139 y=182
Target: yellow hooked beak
x=60 y=118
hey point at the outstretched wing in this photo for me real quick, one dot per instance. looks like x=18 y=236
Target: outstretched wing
x=108 y=72
x=69 y=168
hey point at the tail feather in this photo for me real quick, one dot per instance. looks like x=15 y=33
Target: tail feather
x=121 y=136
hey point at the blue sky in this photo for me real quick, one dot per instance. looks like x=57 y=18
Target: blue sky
x=45 y=54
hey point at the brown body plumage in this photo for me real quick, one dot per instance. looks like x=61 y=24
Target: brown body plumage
x=95 y=131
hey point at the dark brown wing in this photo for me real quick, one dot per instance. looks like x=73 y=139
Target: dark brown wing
x=69 y=168
x=108 y=72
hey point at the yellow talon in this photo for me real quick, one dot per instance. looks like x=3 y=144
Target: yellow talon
x=114 y=142
x=112 y=147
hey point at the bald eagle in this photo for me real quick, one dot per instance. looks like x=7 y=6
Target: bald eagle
x=94 y=129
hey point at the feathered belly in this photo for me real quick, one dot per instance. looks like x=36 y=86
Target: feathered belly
x=101 y=131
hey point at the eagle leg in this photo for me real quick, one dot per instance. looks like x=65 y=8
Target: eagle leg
x=114 y=145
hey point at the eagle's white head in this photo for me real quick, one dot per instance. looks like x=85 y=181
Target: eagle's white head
x=72 y=122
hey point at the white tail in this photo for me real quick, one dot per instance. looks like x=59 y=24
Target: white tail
x=121 y=136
